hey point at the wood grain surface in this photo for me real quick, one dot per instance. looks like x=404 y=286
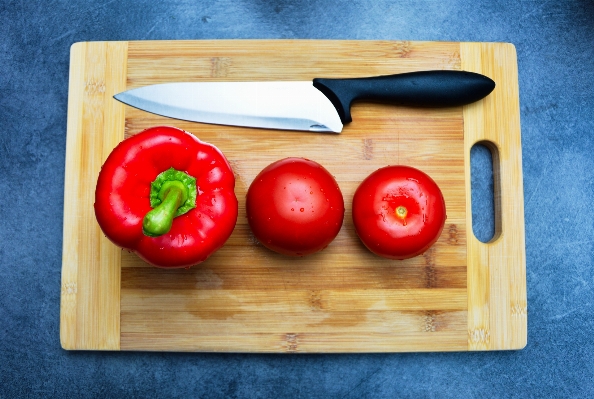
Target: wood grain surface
x=460 y=295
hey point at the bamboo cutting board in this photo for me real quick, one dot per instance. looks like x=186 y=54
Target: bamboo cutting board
x=460 y=295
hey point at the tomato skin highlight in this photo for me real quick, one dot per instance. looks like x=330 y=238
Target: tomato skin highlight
x=295 y=207
x=398 y=212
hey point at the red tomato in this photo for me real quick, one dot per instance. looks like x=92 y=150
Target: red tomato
x=398 y=212
x=294 y=206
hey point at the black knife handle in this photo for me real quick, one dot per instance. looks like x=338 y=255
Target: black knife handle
x=419 y=89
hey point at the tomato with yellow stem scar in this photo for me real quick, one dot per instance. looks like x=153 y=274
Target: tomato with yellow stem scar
x=398 y=212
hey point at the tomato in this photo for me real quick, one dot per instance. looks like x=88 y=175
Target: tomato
x=295 y=207
x=398 y=212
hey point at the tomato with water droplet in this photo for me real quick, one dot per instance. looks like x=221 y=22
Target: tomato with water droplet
x=276 y=202
x=398 y=212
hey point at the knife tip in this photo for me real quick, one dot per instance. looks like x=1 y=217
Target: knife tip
x=122 y=97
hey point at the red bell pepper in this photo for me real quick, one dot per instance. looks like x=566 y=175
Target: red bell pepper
x=167 y=196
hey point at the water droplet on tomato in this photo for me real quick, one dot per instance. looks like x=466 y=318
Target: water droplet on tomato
x=302 y=209
x=292 y=209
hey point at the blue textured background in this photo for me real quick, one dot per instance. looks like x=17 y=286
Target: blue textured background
x=554 y=41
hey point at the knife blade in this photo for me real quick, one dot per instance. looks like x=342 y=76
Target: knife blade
x=321 y=105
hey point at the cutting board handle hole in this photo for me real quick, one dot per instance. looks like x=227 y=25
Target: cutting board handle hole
x=485 y=191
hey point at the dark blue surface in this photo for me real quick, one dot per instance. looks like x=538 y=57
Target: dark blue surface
x=554 y=42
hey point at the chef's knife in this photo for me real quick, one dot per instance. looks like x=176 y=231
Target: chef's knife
x=322 y=105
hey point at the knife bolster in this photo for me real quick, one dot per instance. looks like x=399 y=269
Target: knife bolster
x=341 y=100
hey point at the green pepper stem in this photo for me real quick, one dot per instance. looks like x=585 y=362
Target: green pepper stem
x=158 y=221
x=172 y=194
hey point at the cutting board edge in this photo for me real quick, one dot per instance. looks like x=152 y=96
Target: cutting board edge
x=90 y=291
x=497 y=312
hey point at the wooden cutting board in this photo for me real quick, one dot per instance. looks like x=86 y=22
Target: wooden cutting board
x=461 y=295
